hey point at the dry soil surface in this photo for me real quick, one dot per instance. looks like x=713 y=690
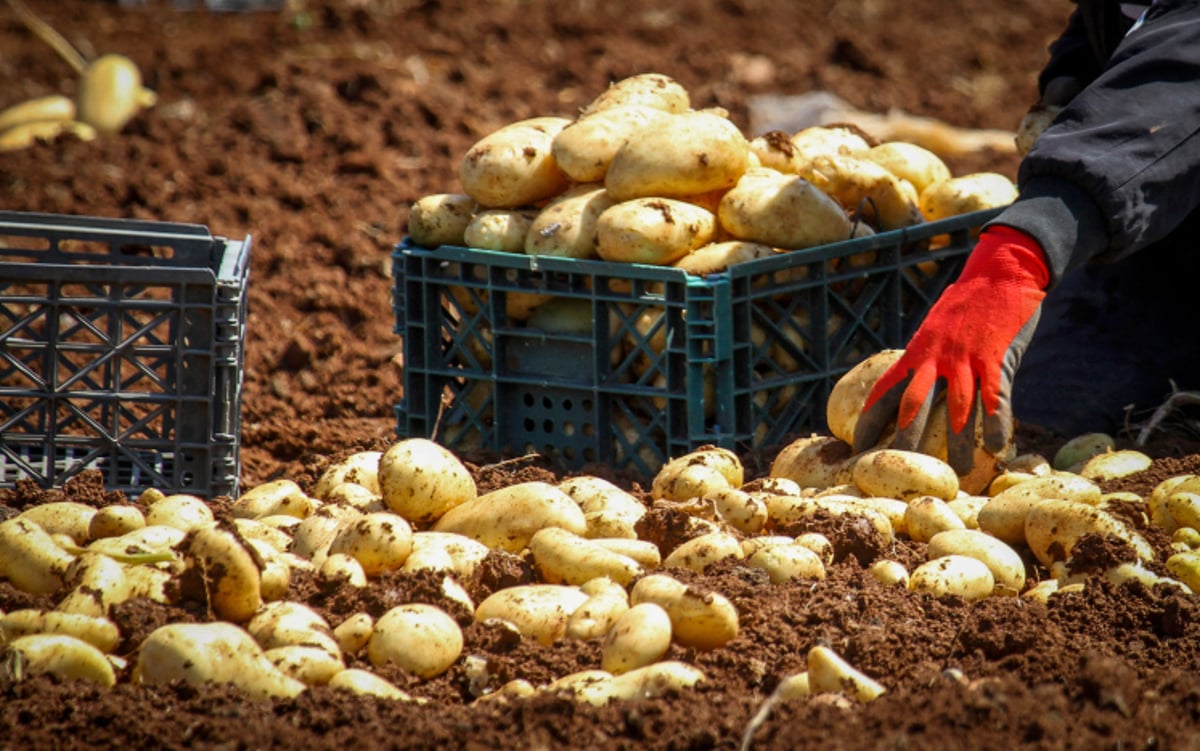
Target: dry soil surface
x=312 y=129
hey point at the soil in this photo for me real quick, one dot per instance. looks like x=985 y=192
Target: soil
x=312 y=129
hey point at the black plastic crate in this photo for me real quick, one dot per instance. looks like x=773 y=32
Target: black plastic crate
x=741 y=359
x=121 y=349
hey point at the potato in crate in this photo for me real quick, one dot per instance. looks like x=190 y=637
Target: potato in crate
x=121 y=350
x=628 y=364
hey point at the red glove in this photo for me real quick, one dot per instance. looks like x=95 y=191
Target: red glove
x=971 y=344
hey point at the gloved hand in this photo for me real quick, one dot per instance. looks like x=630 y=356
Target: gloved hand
x=972 y=339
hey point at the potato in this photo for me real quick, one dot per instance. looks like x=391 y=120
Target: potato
x=445 y=551
x=644 y=89
x=97 y=582
x=353 y=633
x=668 y=485
x=1115 y=464
x=787 y=561
x=422 y=480
x=905 y=475
x=228 y=571
x=687 y=154
x=96 y=630
x=606 y=601
x=68 y=518
x=360 y=468
x=1054 y=525
x=911 y=162
x=867 y=189
x=286 y=622
x=739 y=509
x=502 y=230
x=775 y=150
x=277 y=497
x=849 y=393
x=115 y=520
x=829 y=672
x=953 y=574
x=216 y=652
x=538 y=611
x=640 y=636
x=1005 y=563
x=1186 y=568
x=643 y=551
x=506 y=518
x=182 y=511
x=814 y=461
x=366 y=683
x=566 y=227
x=312 y=666
x=782 y=211
x=966 y=193
x=889 y=573
x=657 y=231
x=700 y=552
x=421 y=639
x=380 y=541
x=699 y=619
x=717 y=257
x=30 y=558
x=928 y=515
x=514 y=166
x=594 y=494
x=1079 y=449
x=63 y=656
x=585 y=148
x=1004 y=515
x=787 y=510
x=564 y=557
x=440 y=219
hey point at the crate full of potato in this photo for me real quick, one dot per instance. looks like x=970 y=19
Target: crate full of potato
x=644 y=278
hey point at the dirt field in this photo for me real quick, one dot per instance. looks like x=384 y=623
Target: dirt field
x=313 y=129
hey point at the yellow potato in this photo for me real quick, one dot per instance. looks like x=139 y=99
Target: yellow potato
x=716 y=257
x=277 y=497
x=775 y=150
x=1115 y=464
x=228 y=571
x=360 y=468
x=366 y=683
x=216 y=652
x=353 y=633
x=911 y=162
x=564 y=557
x=1004 y=515
x=814 y=461
x=829 y=672
x=606 y=601
x=115 y=520
x=827 y=140
x=286 y=622
x=538 y=611
x=781 y=211
x=787 y=561
x=182 y=511
x=699 y=619
x=96 y=630
x=866 y=189
x=644 y=89
x=640 y=636
x=312 y=666
x=60 y=655
x=739 y=509
x=380 y=541
x=686 y=154
x=421 y=639
x=440 y=219
x=30 y=558
x=586 y=147
x=953 y=574
x=506 y=518
x=667 y=485
x=502 y=230
x=421 y=480
x=928 y=515
x=445 y=551
x=1079 y=449
x=849 y=393
x=701 y=552
x=889 y=573
x=657 y=231
x=966 y=193
x=62 y=518
x=566 y=227
x=894 y=473
x=514 y=166
x=1008 y=570
x=1054 y=526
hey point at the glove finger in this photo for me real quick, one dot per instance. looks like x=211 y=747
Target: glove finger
x=908 y=438
x=875 y=419
x=960 y=447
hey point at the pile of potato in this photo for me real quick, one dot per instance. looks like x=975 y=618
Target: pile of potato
x=602 y=574
x=640 y=176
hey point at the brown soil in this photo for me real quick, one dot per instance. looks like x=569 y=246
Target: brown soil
x=313 y=129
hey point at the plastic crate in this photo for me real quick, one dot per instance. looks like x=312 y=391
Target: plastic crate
x=741 y=359
x=121 y=347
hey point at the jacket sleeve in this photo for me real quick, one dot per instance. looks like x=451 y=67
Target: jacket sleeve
x=1119 y=168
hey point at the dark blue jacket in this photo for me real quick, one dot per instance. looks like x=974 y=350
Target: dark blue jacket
x=1119 y=168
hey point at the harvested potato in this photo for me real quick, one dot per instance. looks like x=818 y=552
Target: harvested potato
x=814 y=461
x=68 y=518
x=1079 y=449
x=867 y=189
x=1008 y=570
x=781 y=211
x=502 y=230
x=953 y=574
x=564 y=557
x=440 y=219
x=566 y=227
x=829 y=671
x=538 y=611
x=716 y=257
x=849 y=393
x=1055 y=525
x=727 y=464
x=63 y=656
x=422 y=480
x=506 y=518
x=514 y=165
x=606 y=601
x=640 y=636
x=824 y=140
x=917 y=164
x=216 y=652
x=421 y=639
x=380 y=541
x=699 y=619
x=926 y=516
x=687 y=154
x=657 y=231
x=966 y=193
x=775 y=150
x=360 y=468
x=228 y=571
x=30 y=558
x=644 y=89
x=893 y=473
x=585 y=148
x=277 y=497
x=702 y=551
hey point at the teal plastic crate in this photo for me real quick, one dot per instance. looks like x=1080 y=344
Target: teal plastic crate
x=121 y=350
x=666 y=361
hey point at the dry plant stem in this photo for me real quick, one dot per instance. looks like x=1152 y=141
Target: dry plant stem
x=759 y=718
x=49 y=35
x=1176 y=400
